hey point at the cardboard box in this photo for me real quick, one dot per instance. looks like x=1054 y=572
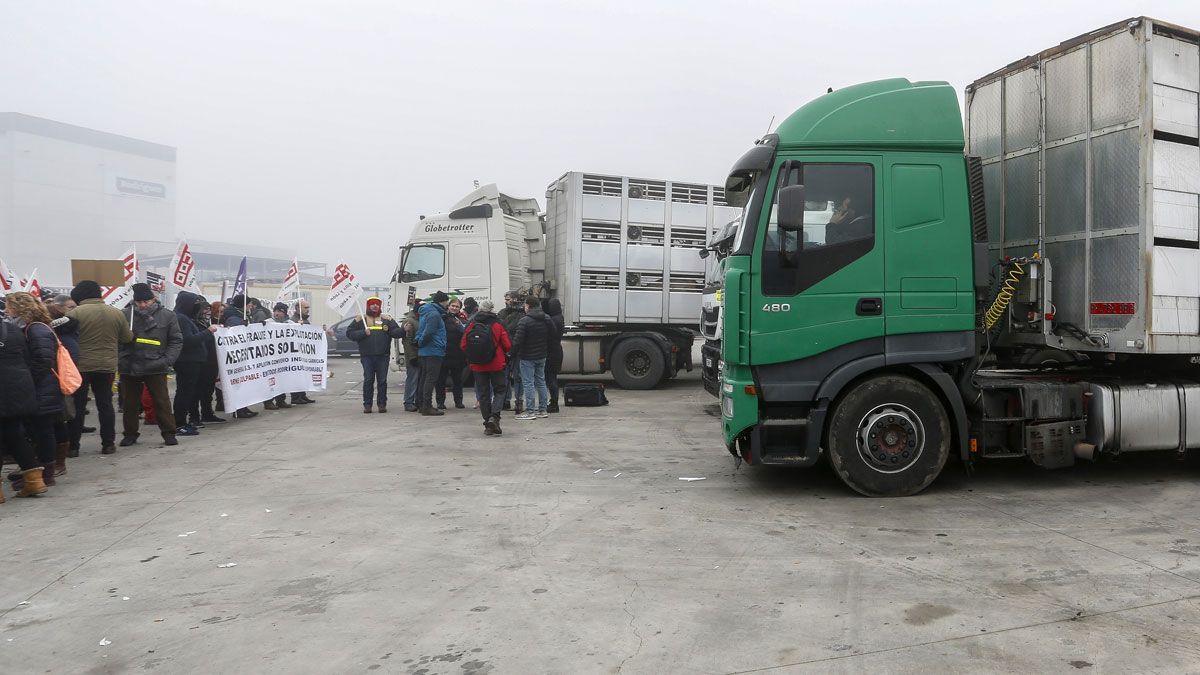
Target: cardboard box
x=103 y=272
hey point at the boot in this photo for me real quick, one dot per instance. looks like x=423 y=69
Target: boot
x=34 y=485
x=283 y=405
x=270 y=405
x=73 y=450
x=17 y=478
x=366 y=409
x=429 y=411
x=60 y=458
x=496 y=425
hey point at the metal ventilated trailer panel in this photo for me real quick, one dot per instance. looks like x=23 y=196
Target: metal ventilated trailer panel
x=626 y=250
x=1091 y=157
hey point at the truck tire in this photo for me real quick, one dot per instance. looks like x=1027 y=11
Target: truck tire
x=889 y=436
x=637 y=363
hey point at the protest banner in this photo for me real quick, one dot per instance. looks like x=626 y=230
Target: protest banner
x=291 y=282
x=260 y=361
x=345 y=290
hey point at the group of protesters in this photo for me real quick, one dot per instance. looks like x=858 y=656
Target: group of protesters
x=513 y=355
x=44 y=399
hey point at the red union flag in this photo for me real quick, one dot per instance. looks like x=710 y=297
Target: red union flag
x=31 y=285
x=8 y=280
x=119 y=296
x=291 y=282
x=182 y=272
x=345 y=290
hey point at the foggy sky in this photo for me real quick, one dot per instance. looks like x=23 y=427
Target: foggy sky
x=334 y=125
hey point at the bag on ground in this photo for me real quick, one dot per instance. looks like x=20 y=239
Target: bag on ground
x=584 y=394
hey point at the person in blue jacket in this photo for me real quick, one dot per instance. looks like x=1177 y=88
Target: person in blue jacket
x=431 y=348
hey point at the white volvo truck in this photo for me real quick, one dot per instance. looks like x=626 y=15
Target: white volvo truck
x=619 y=253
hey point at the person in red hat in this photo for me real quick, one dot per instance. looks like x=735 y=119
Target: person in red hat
x=374 y=334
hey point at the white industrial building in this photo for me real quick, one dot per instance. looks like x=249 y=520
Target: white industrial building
x=71 y=192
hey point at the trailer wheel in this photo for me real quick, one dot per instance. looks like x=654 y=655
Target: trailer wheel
x=889 y=437
x=637 y=363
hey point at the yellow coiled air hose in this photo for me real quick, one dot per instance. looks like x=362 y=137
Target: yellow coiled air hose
x=1004 y=297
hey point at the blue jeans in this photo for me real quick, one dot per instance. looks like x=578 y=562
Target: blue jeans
x=533 y=375
x=412 y=383
x=375 y=372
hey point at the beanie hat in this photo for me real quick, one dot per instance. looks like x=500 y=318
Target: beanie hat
x=280 y=307
x=440 y=297
x=487 y=306
x=85 y=290
x=142 y=292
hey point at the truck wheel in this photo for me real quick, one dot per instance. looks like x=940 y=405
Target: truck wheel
x=889 y=437
x=637 y=363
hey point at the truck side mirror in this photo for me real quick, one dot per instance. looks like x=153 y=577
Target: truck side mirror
x=791 y=208
x=703 y=253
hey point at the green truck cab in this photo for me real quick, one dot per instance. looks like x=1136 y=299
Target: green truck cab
x=855 y=258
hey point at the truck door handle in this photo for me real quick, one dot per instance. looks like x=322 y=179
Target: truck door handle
x=870 y=306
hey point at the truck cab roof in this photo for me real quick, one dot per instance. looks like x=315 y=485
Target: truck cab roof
x=884 y=114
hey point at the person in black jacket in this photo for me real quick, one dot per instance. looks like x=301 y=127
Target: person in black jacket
x=554 y=357
x=193 y=356
x=202 y=413
x=374 y=334
x=17 y=402
x=30 y=314
x=509 y=316
x=531 y=346
x=455 y=360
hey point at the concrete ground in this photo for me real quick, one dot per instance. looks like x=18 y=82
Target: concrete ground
x=397 y=544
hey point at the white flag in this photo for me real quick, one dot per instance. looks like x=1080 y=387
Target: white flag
x=291 y=283
x=345 y=290
x=31 y=285
x=8 y=280
x=119 y=296
x=182 y=273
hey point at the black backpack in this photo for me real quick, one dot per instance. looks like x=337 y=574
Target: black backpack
x=481 y=344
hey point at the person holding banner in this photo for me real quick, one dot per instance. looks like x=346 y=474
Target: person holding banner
x=193 y=355
x=145 y=361
x=102 y=329
x=374 y=334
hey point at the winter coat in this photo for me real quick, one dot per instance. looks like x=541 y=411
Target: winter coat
x=156 y=344
x=555 y=350
x=499 y=335
x=43 y=360
x=233 y=316
x=195 y=338
x=102 y=329
x=532 y=341
x=376 y=339
x=409 y=324
x=67 y=329
x=510 y=317
x=431 y=331
x=455 y=356
x=16 y=381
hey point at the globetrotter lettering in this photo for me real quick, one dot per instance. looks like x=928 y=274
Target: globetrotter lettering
x=261 y=361
x=460 y=227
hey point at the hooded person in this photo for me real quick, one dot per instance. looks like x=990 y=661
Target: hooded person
x=202 y=413
x=193 y=356
x=374 y=333
x=554 y=355
x=145 y=362
x=102 y=329
x=485 y=344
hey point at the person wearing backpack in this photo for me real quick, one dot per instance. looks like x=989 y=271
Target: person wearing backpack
x=485 y=344
x=33 y=319
x=17 y=402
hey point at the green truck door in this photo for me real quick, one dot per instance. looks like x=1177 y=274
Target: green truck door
x=821 y=288
x=928 y=268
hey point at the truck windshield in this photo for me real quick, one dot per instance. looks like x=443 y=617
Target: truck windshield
x=755 y=183
x=423 y=262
